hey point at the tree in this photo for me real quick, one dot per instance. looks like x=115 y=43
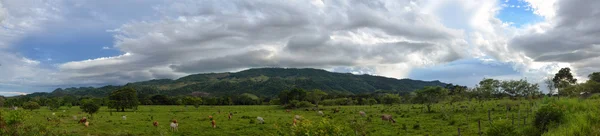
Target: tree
x=550 y=85
x=160 y=100
x=430 y=95
x=316 y=96
x=297 y=94
x=283 y=97
x=31 y=105
x=595 y=77
x=391 y=99
x=89 y=106
x=563 y=79
x=487 y=88
x=53 y=104
x=124 y=98
x=371 y=101
x=2 y=100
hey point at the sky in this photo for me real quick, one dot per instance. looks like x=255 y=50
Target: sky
x=46 y=44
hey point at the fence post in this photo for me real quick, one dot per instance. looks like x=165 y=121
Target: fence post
x=479 y=126
x=490 y=116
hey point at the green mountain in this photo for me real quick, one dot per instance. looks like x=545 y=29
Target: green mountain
x=265 y=82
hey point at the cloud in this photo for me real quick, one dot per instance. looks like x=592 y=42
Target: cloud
x=234 y=35
x=170 y=39
x=570 y=35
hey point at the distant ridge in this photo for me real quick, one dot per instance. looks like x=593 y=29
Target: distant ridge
x=264 y=82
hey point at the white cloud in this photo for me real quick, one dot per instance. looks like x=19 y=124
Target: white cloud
x=171 y=39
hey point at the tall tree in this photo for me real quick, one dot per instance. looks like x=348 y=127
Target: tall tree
x=2 y=100
x=430 y=95
x=316 y=96
x=54 y=103
x=487 y=88
x=563 y=79
x=550 y=85
x=124 y=98
x=595 y=77
x=89 y=106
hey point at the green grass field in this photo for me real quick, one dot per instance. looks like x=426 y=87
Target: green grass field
x=412 y=119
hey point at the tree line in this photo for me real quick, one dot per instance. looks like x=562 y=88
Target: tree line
x=561 y=84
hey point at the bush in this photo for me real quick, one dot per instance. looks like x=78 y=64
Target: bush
x=322 y=128
x=502 y=128
x=31 y=105
x=89 y=106
x=548 y=116
x=299 y=104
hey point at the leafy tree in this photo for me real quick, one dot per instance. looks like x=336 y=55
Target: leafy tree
x=53 y=104
x=124 y=98
x=563 y=79
x=487 y=88
x=430 y=95
x=31 y=105
x=283 y=97
x=2 y=100
x=316 y=96
x=297 y=94
x=371 y=101
x=89 y=106
x=160 y=99
x=196 y=101
x=550 y=85
x=391 y=99
x=595 y=77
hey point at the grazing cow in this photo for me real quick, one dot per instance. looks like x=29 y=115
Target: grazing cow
x=288 y=110
x=336 y=110
x=320 y=113
x=155 y=123
x=298 y=117
x=260 y=120
x=387 y=117
x=214 y=125
x=230 y=115
x=174 y=125
x=83 y=120
x=124 y=117
x=294 y=124
x=362 y=113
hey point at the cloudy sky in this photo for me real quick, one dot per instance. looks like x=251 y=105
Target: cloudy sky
x=45 y=44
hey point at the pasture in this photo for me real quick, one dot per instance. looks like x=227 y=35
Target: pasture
x=411 y=119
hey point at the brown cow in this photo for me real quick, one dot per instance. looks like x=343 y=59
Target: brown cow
x=155 y=123
x=387 y=117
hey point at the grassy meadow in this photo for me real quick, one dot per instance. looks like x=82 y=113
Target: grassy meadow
x=412 y=119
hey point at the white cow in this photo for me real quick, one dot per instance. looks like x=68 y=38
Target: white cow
x=260 y=120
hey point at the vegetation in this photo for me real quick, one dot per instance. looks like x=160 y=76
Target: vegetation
x=124 y=98
x=496 y=107
x=31 y=105
x=88 y=106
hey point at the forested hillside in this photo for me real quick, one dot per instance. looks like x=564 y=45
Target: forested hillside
x=264 y=82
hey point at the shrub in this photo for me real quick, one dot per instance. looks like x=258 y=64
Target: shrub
x=548 y=116
x=502 y=128
x=31 y=105
x=299 y=104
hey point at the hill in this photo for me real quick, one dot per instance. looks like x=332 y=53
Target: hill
x=265 y=82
